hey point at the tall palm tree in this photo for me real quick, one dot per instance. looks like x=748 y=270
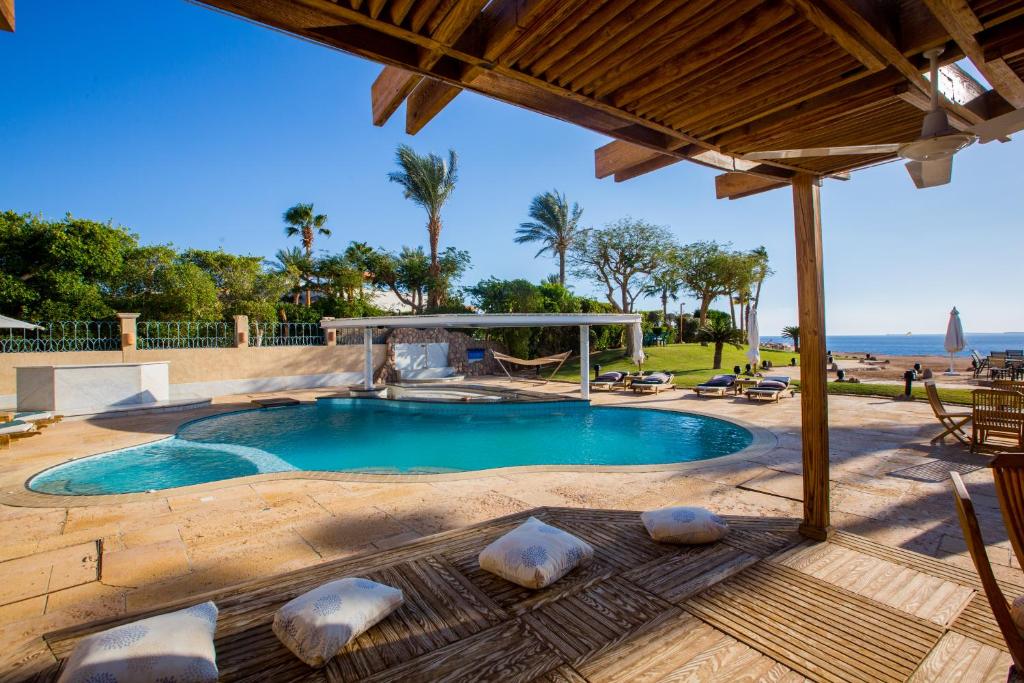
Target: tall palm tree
x=720 y=331
x=303 y=221
x=294 y=265
x=554 y=225
x=429 y=182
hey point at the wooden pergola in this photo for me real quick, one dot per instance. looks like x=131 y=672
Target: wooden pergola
x=705 y=81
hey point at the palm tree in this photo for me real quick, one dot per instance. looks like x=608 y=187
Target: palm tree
x=792 y=332
x=360 y=255
x=306 y=223
x=295 y=267
x=428 y=181
x=720 y=331
x=554 y=225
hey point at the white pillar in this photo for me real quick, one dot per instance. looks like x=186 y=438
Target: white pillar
x=585 y=362
x=368 y=364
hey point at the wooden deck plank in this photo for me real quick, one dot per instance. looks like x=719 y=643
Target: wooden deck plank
x=760 y=606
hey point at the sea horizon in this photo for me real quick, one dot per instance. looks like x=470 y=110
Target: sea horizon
x=914 y=344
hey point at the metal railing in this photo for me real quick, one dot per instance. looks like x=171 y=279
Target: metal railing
x=286 y=334
x=64 y=335
x=184 y=335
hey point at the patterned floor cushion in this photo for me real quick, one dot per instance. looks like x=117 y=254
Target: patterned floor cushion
x=535 y=554
x=684 y=525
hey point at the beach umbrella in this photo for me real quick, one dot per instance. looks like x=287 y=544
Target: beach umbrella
x=753 y=338
x=636 y=338
x=12 y=324
x=955 y=341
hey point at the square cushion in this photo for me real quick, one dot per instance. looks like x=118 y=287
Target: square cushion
x=609 y=377
x=177 y=646
x=318 y=625
x=720 y=381
x=535 y=554
x=654 y=378
x=770 y=384
x=684 y=525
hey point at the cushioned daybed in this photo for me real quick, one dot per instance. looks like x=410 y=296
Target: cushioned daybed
x=609 y=381
x=719 y=385
x=771 y=388
x=656 y=381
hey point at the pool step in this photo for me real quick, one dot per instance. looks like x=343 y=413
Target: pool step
x=277 y=402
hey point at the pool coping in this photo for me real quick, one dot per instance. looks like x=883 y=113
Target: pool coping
x=763 y=440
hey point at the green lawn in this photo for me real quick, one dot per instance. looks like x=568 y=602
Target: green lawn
x=691 y=365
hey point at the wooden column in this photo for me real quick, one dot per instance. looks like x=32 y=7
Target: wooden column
x=813 y=372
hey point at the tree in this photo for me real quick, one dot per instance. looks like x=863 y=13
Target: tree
x=706 y=272
x=666 y=281
x=720 y=331
x=793 y=332
x=429 y=182
x=242 y=285
x=554 y=225
x=303 y=221
x=407 y=274
x=185 y=292
x=294 y=267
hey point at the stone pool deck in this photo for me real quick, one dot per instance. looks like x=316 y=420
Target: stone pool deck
x=67 y=561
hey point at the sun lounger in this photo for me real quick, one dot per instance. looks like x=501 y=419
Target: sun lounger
x=40 y=418
x=656 y=381
x=15 y=429
x=719 y=385
x=609 y=380
x=771 y=388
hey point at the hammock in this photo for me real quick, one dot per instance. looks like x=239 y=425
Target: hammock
x=536 y=362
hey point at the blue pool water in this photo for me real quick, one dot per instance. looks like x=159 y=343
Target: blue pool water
x=352 y=435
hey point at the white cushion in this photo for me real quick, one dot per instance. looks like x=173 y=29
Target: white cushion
x=1017 y=612
x=535 y=554
x=684 y=525
x=318 y=625
x=177 y=646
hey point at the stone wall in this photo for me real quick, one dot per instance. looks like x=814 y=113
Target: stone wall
x=458 y=344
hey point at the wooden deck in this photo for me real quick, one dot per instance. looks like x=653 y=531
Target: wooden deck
x=763 y=604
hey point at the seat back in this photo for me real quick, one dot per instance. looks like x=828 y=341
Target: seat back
x=933 y=398
x=1015 y=353
x=1000 y=412
x=976 y=547
x=1009 y=385
x=997 y=359
x=1008 y=473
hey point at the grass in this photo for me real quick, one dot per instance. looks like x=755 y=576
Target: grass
x=691 y=365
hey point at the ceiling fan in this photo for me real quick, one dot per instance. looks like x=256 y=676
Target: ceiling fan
x=930 y=157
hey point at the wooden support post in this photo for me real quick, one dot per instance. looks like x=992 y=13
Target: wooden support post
x=585 y=362
x=367 y=358
x=813 y=373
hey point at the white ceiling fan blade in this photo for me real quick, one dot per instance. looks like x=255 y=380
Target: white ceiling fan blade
x=1000 y=126
x=823 y=152
x=930 y=173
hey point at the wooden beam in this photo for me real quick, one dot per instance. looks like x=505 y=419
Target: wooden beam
x=389 y=90
x=618 y=155
x=658 y=162
x=739 y=185
x=426 y=101
x=813 y=373
x=6 y=15
x=1002 y=40
x=959 y=19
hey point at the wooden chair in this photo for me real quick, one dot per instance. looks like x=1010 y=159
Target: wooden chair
x=953 y=422
x=1008 y=385
x=1008 y=473
x=980 y=364
x=997 y=413
x=976 y=546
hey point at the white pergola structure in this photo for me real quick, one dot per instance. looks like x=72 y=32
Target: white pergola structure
x=484 y=320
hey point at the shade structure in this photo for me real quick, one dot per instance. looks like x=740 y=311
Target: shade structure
x=753 y=338
x=14 y=324
x=636 y=338
x=954 y=342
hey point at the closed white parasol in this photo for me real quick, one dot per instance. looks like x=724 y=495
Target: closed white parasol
x=753 y=338
x=955 y=341
x=636 y=339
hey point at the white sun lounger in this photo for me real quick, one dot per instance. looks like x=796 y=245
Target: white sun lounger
x=15 y=429
x=40 y=418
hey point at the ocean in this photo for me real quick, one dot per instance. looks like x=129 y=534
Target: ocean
x=916 y=344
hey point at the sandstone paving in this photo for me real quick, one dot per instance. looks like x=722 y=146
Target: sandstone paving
x=80 y=560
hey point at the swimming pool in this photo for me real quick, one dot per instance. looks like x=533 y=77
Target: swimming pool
x=397 y=437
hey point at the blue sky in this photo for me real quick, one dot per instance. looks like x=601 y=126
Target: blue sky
x=199 y=129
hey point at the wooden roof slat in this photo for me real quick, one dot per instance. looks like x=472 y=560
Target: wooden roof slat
x=6 y=15
x=399 y=10
x=373 y=7
x=1002 y=41
x=568 y=30
x=584 y=32
x=956 y=16
x=847 y=38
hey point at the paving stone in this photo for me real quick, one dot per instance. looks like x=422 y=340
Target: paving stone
x=145 y=564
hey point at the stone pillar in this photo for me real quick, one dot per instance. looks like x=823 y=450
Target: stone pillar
x=367 y=358
x=128 y=321
x=585 y=362
x=330 y=335
x=241 y=331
